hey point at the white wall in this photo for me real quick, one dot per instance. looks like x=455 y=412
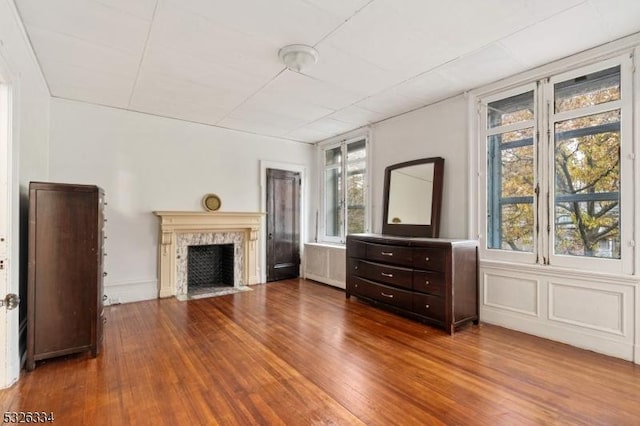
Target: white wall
x=147 y=163
x=27 y=158
x=438 y=130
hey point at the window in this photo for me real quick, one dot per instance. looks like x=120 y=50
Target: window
x=555 y=169
x=344 y=190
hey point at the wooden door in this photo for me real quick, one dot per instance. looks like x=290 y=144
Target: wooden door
x=283 y=224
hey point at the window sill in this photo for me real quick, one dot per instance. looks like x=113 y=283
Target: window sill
x=559 y=271
x=323 y=244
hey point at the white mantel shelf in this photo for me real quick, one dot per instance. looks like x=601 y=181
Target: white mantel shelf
x=173 y=223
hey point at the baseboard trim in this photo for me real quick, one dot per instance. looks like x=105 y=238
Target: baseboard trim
x=325 y=280
x=563 y=334
x=636 y=350
x=131 y=291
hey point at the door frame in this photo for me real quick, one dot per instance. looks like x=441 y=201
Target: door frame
x=298 y=168
x=10 y=196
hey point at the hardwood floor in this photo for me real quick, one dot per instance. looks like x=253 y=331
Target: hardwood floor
x=296 y=352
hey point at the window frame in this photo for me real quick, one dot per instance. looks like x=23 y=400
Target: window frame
x=544 y=157
x=483 y=133
x=624 y=104
x=323 y=147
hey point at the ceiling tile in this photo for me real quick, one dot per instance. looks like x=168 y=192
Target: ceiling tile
x=159 y=94
x=307 y=89
x=287 y=105
x=200 y=70
x=489 y=64
x=348 y=71
x=262 y=128
x=181 y=31
x=287 y=22
x=57 y=47
x=87 y=20
x=306 y=134
x=619 y=17
x=73 y=82
x=428 y=87
x=329 y=125
x=356 y=116
x=380 y=35
x=566 y=33
x=340 y=8
x=390 y=102
x=250 y=113
x=141 y=8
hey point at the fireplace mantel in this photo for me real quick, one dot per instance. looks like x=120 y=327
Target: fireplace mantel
x=174 y=223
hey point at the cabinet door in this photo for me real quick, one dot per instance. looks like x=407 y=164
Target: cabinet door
x=65 y=270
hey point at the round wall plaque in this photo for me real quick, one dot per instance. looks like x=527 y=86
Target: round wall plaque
x=211 y=202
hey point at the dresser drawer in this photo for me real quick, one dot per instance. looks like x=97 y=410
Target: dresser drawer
x=429 y=306
x=387 y=274
x=429 y=258
x=429 y=282
x=381 y=293
x=390 y=254
x=356 y=248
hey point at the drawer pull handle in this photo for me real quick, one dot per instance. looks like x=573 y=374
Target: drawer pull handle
x=426 y=282
x=386 y=275
x=390 y=296
x=426 y=306
x=386 y=253
x=426 y=258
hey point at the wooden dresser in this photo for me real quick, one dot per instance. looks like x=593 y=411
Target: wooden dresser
x=433 y=280
x=65 y=279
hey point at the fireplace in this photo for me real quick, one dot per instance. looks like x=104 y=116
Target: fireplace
x=209 y=266
x=181 y=231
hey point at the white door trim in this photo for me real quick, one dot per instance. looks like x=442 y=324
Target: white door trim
x=9 y=229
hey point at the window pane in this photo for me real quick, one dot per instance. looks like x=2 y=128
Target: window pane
x=587 y=185
x=517 y=172
x=356 y=164
x=587 y=90
x=510 y=217
x=516 y=227
x=333 y=203
x=588 y=229
x=333 y=156
x=511 y=110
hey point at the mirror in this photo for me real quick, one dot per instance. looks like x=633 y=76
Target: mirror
x=413 y=198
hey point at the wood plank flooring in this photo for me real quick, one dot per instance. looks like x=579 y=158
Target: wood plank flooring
x=298 y=353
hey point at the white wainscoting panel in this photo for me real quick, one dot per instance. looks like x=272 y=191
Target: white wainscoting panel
x=130 y=291
x=596 y=306
x=592 y=311
x=325 y=263
x=514 y=293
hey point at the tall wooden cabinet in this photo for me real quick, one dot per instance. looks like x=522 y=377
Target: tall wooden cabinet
x=65 y=279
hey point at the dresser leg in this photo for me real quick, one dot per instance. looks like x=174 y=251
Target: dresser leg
x=347 y=294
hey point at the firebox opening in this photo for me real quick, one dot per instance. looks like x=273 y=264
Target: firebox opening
x=209 y=266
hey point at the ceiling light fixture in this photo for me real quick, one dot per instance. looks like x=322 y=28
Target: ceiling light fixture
x=298 y=57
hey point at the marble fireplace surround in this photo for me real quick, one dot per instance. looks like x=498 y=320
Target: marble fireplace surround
x=179 y=229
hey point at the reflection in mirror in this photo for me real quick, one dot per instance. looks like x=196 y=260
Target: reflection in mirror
x=413 y=198
x=410 y=195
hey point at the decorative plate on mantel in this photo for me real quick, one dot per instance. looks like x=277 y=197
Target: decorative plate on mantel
x=211 y=202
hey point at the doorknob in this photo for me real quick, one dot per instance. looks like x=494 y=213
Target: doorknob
x=11 y=301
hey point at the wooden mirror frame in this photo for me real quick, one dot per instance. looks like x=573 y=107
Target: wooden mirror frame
x=412 y=230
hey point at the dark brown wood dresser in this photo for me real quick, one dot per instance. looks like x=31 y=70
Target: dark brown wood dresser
x=433 y=280
x=65 y=278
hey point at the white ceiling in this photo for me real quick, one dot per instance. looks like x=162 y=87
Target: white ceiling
x=216 y=61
